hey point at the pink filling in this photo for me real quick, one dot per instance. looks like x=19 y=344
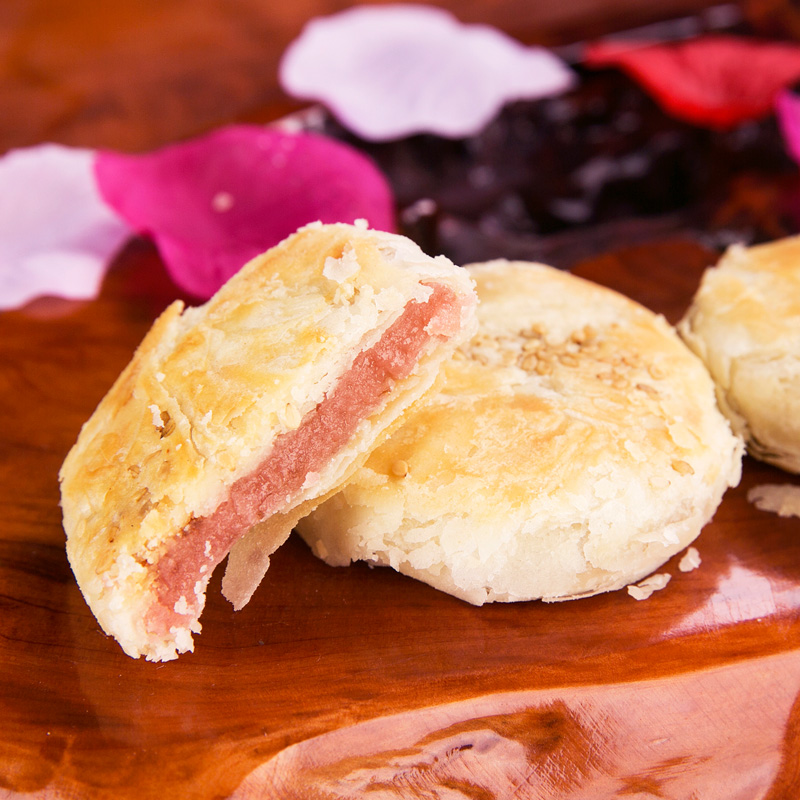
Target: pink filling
x=205 y=541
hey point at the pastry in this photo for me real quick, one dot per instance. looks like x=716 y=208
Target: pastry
x=236 y=417
x=571 y=447
x=744 y=322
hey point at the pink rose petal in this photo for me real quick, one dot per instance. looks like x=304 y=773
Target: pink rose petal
x=391 y=71
x=213 y=203
x=714 y=81
x=57 y=236
x=787 y=108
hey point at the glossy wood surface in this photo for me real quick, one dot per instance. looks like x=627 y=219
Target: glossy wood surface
x=353 y=682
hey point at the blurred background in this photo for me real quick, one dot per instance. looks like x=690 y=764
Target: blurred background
x=134 y=74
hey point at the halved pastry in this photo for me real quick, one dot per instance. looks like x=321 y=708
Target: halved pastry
x=572 y=447
x=236 y=417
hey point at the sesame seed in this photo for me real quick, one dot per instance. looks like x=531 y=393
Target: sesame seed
x=656 y=372
x=682 y=468
x=569 y=360
x=579 y=337
x=400 y=468
x=508 y=358
x=543 y=368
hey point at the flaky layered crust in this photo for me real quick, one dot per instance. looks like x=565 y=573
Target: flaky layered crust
x=744 y=322
x=572 y=447
x=209 y=392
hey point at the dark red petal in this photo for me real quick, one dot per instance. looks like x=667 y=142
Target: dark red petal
x=713 y=81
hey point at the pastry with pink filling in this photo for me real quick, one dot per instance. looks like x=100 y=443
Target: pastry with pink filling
x=237 y=417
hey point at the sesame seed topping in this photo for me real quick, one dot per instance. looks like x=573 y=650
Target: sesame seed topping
x=683 y=467
x=400 y=468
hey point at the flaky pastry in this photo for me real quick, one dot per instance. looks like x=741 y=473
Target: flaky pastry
x=236 y=417
x=571 y=447
x=744 y=322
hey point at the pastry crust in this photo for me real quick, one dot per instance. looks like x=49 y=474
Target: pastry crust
x=744 y=322
x=572 y=447
x=209 y=392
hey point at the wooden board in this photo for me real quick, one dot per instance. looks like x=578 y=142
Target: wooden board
x=354 y=682
x=333 y=680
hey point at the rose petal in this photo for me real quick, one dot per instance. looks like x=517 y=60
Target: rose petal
x=213 y=203
x=391 y=71
x=787 y=108
x=57 y=236
x=712 y=81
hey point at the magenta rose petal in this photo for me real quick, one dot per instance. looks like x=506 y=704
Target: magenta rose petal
x=212 y=203
x=713 y=81
x=787 y=108
x=396 y=70
x=57 y=236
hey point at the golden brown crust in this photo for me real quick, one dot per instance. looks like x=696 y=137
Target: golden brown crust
x=573 y=447
x=209 y=390
x=744 y=322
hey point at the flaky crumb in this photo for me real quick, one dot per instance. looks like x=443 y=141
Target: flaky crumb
x=156 y=412
x=343 y=268
x=782 y=499
x=691 y=560
x=291 y=416
x=652 y=583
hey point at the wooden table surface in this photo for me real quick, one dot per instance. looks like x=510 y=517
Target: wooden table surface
x=352 y=682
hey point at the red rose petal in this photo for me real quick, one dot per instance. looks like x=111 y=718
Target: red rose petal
x=213 y=203
x=712 y=81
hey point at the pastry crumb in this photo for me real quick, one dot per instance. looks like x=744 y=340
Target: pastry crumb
x=652 y=583
x=782 y=499
x=691 y=560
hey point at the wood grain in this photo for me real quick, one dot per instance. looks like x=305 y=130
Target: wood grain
x=348 y=682
x=321 y=652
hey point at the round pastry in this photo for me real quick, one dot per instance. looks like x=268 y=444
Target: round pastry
x=571 y=447
x=744 y=322
x=236 y=417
